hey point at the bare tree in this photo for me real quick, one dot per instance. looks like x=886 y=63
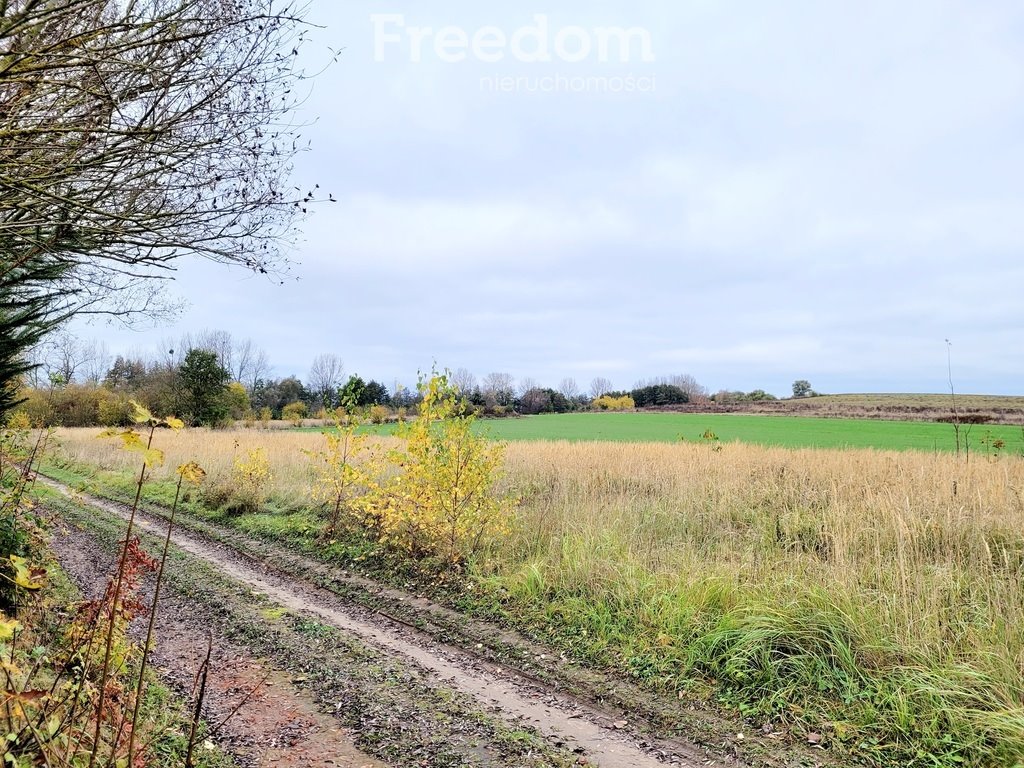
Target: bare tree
x=251 y=364
x=97 y=361
x=569 y=389
x=325 y=377
x=600 y=386
x=495 y=382
x=689 y=385
x=683 y=381
x=218 y=342
x=527 y=384
x=133 y=133
x=65 y=355
x=498 y=388
x=464 y=381
x=167 y=352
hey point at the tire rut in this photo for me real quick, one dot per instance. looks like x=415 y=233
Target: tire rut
x=561 y=720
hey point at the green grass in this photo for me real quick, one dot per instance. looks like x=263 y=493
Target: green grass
x=783 y=431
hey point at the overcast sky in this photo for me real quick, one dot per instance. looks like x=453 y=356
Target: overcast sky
x=747 y=192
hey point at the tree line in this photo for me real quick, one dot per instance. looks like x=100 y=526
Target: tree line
x=212 y=378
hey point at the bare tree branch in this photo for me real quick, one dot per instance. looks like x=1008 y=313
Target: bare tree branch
x=134 y=133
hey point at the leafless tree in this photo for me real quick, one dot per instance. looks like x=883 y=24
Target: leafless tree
x=168 y=353
x=133 y=132
x=498 y=388
x=218 y=342
x=464 y=381
x=65 y=355
x=683 y=381
x=527 y=384
x=569 y=388
x=97 y=361
x=251 y=364
x=325 y=377
x=600 y=386
x=496 y=382
x=689 y=385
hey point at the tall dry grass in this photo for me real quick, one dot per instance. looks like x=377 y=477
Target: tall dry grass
x=915 y=560
x=934 y=544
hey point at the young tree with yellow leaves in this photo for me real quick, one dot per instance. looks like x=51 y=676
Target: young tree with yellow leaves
x=437 y=498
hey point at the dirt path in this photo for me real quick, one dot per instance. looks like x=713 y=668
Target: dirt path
x=259 y=716
x=587 y=733
x=563 y=720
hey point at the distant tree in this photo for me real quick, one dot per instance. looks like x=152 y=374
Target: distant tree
x=237 y=400
x=802 y=388
x=97 y=361
x=125 y=374
x=325 y=376
x=498 y=389
x=658 y=394
x=403 y=396
x=568 y=388
x=204 y=382
x=600 y=386
x=251 y=364
x=375 y=393
x=290 y=390
x=693 y=389
x=352 y=393
x=534 y=401
x=526 y=384
x=464 y=381
x=65 y=355
x=216 y=341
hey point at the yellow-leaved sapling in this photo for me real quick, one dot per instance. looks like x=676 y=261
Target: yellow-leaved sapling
x=340 y=478
x=437 y=498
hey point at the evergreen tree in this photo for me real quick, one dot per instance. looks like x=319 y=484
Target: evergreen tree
x=30 y=306
x=204 y=386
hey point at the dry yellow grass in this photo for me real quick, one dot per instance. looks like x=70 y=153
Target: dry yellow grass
x=940 y=572
x=932 y=548
x=879 y=596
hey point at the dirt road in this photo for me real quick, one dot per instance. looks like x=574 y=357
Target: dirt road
x=576 y=731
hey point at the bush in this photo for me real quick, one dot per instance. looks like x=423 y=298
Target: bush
x=612 y=403
x=250 y=477
x=379 y=414
x=294 y=412
x=435 y=497
x=116 y=411
x=237 y=400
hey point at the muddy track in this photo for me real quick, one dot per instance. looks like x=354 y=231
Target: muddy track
x=497 y=689
x=255 y=713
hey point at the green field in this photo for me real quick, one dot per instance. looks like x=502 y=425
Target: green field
x=787 y=431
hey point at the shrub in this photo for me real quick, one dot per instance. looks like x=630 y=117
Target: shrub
x=379 y=414
x=115 y=411
x=237 y=400
x=340 y=481
x=612 y=403
x=294 y=412
x=435 y=496
x=250 y=477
